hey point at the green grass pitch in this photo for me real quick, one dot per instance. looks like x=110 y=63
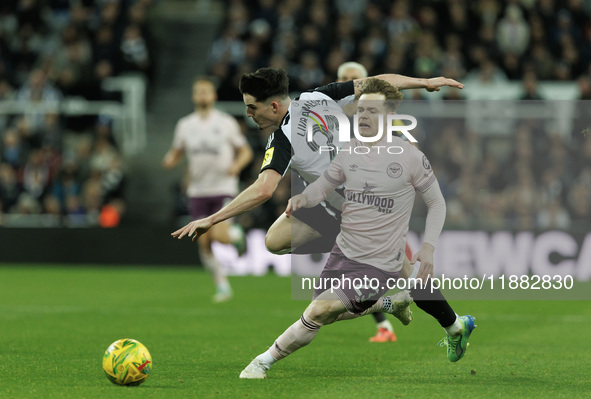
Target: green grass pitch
x=56 y=323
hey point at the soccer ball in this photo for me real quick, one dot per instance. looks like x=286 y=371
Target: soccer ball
x=127 y=362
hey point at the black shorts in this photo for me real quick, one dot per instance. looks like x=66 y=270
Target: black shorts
x=320 y=220
x=325 y=221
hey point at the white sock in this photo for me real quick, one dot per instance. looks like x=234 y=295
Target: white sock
x=216 y=270
x=455 y=328
x=224 y=287
x=267 y=359
x=386 y=324
x=235 y=233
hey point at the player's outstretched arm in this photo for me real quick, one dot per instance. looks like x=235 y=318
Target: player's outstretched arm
x=256 y=194
x=433 y=226
x=405 y=82
x=296 y=202
x=172 y=158
x=314 y=194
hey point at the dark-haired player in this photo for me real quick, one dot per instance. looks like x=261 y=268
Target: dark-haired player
x=372 y=235
x=265 y=94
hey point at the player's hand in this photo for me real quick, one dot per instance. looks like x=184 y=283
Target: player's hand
x=434 y=84
x=194 y=229
x=295 y=203
x=425 y=256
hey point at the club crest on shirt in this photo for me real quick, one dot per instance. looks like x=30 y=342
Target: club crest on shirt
x=426 y=163
x=394 y=170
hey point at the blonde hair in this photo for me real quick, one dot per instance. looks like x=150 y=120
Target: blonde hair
x=380 y=86
x=351 y=65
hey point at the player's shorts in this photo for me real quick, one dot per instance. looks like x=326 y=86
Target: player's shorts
x=360 y=284
x=200 y=207
x=320 y=220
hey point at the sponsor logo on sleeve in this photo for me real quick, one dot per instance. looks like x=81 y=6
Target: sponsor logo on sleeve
x=426 y=163
x=268 y=157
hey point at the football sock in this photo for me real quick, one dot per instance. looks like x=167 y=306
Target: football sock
x=385 y=324
x=386 y=304
x=455 y=328
x=235 y=233
x=376 y=308
x=298 y=335
x=379 y=317
x=433 y=302
x=267 y=359
x=216 y=270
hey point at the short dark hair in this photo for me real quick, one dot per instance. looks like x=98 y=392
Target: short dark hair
x=265 y=83
x=380 y=86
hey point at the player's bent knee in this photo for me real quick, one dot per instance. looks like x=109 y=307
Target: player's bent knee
x=322 y=312
x=276 y=246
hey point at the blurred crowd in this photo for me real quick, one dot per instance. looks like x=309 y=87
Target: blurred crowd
x=70 y=170
x=533 y=179
x=482 y=40
x=536 y=178
x=67 y=169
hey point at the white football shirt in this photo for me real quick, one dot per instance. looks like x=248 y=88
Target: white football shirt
x=210 y=144
x=288 y=146
x=379 y=196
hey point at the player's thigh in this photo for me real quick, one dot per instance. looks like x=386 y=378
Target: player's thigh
x=219 y=232
x=204 y=243
x=201 y=207
x=286 y=233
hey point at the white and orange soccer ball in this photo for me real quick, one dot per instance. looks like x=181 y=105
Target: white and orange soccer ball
x=127 y=362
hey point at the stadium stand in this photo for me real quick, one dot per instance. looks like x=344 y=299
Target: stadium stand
x=534 y=177
x=60 y=160
x=64 y=167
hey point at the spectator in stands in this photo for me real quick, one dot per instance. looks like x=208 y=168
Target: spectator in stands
x=67 y=182
x=14 y=152
x=39 y=89
x=553 y=216
x=309 y=72
x=36 y=175
x=513 y=32
x=530 y=87
x=135 y=53
x=10 y=189
x=228 y=47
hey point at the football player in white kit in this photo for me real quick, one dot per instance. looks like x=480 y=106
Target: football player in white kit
x=309 y=230
x=217 y=152
x=351 y=71
x=379 y=188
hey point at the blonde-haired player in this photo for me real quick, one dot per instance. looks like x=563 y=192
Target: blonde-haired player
x=379 y=197
x=351 y=71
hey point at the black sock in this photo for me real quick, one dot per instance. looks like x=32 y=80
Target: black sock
x=434 y=304
x=379 y=317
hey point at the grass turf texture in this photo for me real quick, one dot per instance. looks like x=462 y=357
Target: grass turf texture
x=56 y=323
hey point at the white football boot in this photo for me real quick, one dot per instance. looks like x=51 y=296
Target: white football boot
x=255 y=370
